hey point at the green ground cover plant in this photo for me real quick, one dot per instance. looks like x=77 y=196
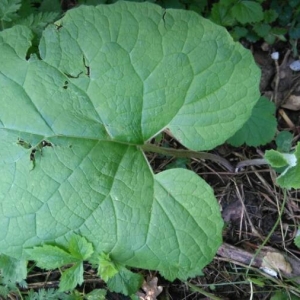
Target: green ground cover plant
x=36 y=15
x=247 y=19
x=76 y=120
x=251 y=20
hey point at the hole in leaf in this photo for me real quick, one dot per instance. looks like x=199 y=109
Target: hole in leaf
x=32 y=155
x=73 y=76
x=88 y=71
x=46 y=144
x=24 y=144
x=39 y=148
x=87 y=67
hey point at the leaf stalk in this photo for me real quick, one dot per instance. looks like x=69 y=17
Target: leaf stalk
x=188 y=154
x=204 y=155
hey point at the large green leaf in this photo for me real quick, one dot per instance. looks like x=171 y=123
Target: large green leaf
x=72 y=123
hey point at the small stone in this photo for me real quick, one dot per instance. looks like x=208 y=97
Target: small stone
x=295 y=65
x=275 y=55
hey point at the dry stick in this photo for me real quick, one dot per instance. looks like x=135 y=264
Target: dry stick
x=242 y=258
x=248 y=255
x=286 y=118
x=250 y=260
x=276 y=83
x=292 y=89
x=277 y=78
x=188 y=154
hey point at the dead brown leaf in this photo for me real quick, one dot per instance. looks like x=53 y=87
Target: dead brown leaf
x=276 y=261
x=150 y=288
x=292 y=103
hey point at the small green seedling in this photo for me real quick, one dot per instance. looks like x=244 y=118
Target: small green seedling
x=289 y=166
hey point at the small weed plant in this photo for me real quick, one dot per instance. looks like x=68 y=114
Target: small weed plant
x=76 y=119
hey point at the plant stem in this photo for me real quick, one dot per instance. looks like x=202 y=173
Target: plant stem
x=188 y=154
x=251 y=162
x=204 y=155
x=201 y=291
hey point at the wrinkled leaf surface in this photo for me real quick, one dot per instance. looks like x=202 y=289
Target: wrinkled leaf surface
x=108 y=80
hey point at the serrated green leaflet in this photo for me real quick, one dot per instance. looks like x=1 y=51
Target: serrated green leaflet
x=71 y=277
x=80 y=248
x=106 y=267
x=12 y=269
x=97 y=294
x=110 y=78
x=125 y=282
x=8 y=9
x=51 y=257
